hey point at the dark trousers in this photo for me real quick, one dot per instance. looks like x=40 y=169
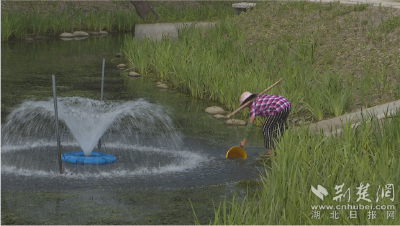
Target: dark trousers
x=273 y=125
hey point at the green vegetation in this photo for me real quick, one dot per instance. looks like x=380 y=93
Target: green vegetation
x=170 y=12
x=334 y=58
x=44 y=19
x=367 y=154
x=18 y=25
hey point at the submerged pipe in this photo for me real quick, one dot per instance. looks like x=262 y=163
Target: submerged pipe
x=101 y=97
x=57 y=131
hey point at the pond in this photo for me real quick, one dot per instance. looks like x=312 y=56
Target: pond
x=153 y=178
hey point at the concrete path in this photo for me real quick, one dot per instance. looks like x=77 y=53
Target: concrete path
x=385 y=3
x=335 y=124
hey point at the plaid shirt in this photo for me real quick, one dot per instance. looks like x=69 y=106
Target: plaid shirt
x=266 y=105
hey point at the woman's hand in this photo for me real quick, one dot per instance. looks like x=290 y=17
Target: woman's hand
x=243 y=143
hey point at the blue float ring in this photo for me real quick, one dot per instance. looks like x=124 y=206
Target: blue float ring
x=94 y=158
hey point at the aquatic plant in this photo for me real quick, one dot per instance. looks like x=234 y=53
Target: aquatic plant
x=239 y=54
x=220 y=68
x=305 y=159
x=71 y=19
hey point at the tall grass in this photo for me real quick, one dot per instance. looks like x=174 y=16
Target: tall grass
x=215 y=63
x=367 y=154
x=203 y=12
x=221 y=62
x=16 y=25
x=69 y=20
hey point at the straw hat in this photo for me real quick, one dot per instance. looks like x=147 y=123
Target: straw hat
x=246 y=96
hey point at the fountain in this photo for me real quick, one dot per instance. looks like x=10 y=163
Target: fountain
x=127 y=130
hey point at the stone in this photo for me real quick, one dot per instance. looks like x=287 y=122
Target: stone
x=134 y=74
x=162 y=86
x=66 y=35
x=80 y=34
x=219 y=116
x=121 y=65
x=242 y=7
x=238 y=122
x=215 y=110
x=103 y=33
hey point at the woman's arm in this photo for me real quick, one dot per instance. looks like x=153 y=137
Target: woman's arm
x=247 y=132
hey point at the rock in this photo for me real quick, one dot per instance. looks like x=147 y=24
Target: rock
x=215 y=110
x=121 y=65
x=134 y=74
x=103 y=33
x=242 y=7
x=162 y=86
x=29 y=39
x=236 y=122
x=80 y=34
x=219 y=116
x=118 y=55
x=66 y=35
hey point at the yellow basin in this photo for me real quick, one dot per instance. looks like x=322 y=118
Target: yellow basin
x=236 y=152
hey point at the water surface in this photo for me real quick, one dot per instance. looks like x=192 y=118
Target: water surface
x=26 y=76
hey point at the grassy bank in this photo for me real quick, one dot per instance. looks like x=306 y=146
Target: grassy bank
x=366 y=157
x=334 y=58
x=20 y=20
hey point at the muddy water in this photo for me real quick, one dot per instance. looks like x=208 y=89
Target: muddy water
x=148 y=198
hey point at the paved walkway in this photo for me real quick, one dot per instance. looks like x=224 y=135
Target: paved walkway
x=386 y=3
x=335 y=124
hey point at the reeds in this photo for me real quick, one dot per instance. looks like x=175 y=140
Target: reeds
x=368 y=153
x=221 y=62
x=205 y=11
x=69 y=20
x=16 y=25
x=216 y=64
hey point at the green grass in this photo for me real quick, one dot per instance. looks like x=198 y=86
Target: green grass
x=319 y=50
x=46 y=18
x=16 y=25
x=367 y=154
x=199 y=11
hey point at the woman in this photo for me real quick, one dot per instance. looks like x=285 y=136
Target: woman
x=274 y=108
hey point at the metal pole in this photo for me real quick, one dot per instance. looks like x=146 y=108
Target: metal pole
x=101 y=98
x=57 y=131
x=102 y=80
